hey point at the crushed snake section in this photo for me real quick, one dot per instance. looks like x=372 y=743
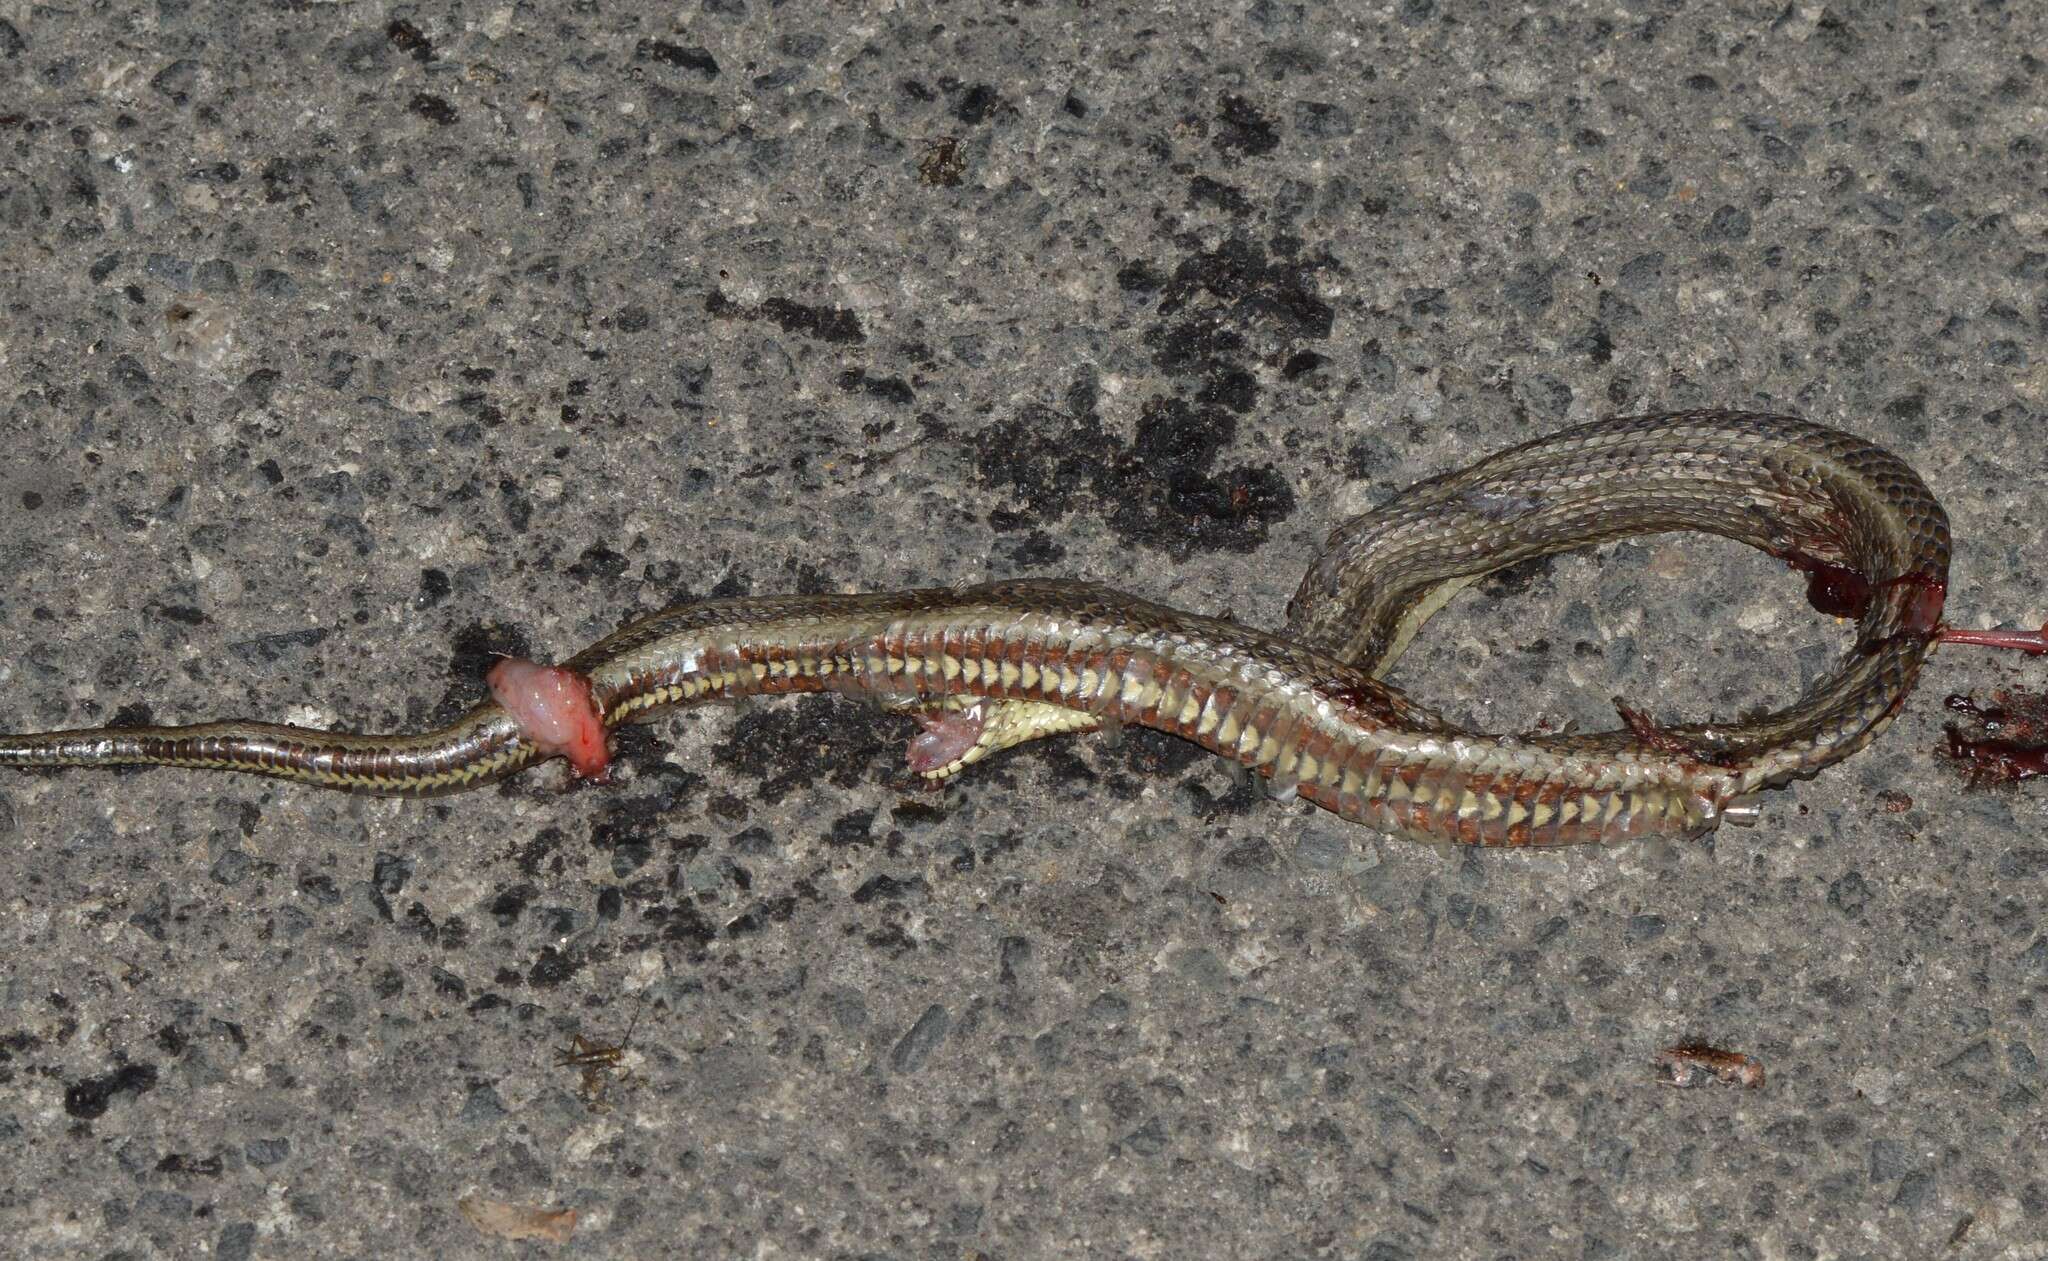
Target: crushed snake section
x=556 y=713
x=1311 y=726
x=990 y=666
x=2002 y=742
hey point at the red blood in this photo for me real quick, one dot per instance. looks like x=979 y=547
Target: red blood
x=1362 y=694
x=1997 y=761
x=1835 y=590
x=1645 y=729
x=555 y=712
x=1991 y=716
x=1923 y=609
x=1840 y=591
x=2010 y=740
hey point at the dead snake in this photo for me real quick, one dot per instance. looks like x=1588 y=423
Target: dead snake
x=992 y=665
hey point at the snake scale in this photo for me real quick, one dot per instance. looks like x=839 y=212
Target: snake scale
x=996 y=664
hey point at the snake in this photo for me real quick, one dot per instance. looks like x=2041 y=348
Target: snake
x=1306 y=708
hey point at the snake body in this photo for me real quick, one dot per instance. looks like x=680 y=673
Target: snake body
x=1305 y=707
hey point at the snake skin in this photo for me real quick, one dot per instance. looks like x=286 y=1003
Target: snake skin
x=1304 y=708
